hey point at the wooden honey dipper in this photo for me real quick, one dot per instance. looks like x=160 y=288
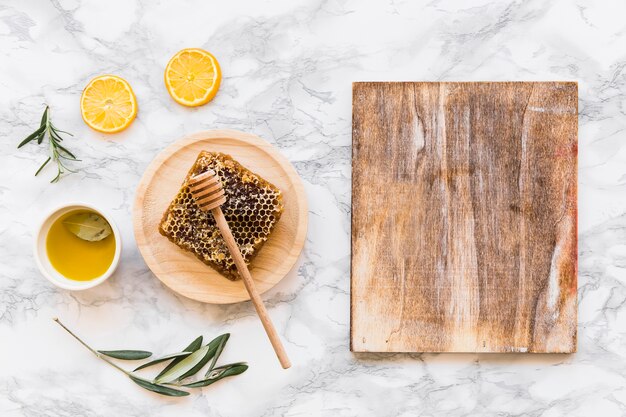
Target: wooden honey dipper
x=208 y=192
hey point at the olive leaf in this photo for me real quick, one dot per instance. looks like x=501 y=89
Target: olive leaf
x=127 y=355
x=218 y=373
x=215 y=349
x=220 y=343
x=88 y=226
x=159 y=389
x=184 y=366
x=193 y=346
x=163 y=359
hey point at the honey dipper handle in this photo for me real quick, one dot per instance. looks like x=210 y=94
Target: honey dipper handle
x=249 y=283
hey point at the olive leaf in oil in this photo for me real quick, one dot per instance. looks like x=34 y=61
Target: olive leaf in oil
x=88 y=226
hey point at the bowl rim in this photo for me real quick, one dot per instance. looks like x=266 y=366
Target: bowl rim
x=43 y=262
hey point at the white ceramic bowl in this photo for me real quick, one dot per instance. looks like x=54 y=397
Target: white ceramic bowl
x=41 y=255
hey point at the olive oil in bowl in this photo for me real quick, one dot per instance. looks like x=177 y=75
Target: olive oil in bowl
x=77 y=247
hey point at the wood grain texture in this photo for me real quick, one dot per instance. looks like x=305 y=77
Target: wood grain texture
x=464 y=217
x=248 y=282
x=182 y=271
x=206 y=188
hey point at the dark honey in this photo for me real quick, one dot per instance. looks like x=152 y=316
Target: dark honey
x=253 y=207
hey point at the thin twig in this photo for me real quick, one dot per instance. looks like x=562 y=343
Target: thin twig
x=95 y=352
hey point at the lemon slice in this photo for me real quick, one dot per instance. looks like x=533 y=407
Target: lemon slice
x=192 y=77
x=108 y=104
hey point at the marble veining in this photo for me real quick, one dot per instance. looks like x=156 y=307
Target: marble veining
x=288 y=68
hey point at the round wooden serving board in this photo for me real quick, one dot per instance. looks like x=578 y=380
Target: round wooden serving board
x=180 y=270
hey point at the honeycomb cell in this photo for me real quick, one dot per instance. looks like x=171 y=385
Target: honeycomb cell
x=253 y=207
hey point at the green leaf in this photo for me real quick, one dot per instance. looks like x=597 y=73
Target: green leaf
x=163 y=359
x=71 y=155
x=43 y=165
x=55 y=136
x=214 y=345
x=159 y=389
x=228 y=370
x=193 y=346
x=44 y=117
x=128 y=355
x=58 y=153
x=32 y=136
x=57 y=178
x=218 y=373
x=220 y=342
x=184 y=366
x=59 y=130
x=88 y=226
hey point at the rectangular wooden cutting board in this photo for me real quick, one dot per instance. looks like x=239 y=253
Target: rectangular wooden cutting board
x=464 y=217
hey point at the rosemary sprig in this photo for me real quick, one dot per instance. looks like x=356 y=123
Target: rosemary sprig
x=182 y=365
x=58 y=153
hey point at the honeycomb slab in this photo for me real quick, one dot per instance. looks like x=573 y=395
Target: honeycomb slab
x=253 y=207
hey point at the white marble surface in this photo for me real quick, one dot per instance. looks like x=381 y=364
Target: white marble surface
x=288 y=68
